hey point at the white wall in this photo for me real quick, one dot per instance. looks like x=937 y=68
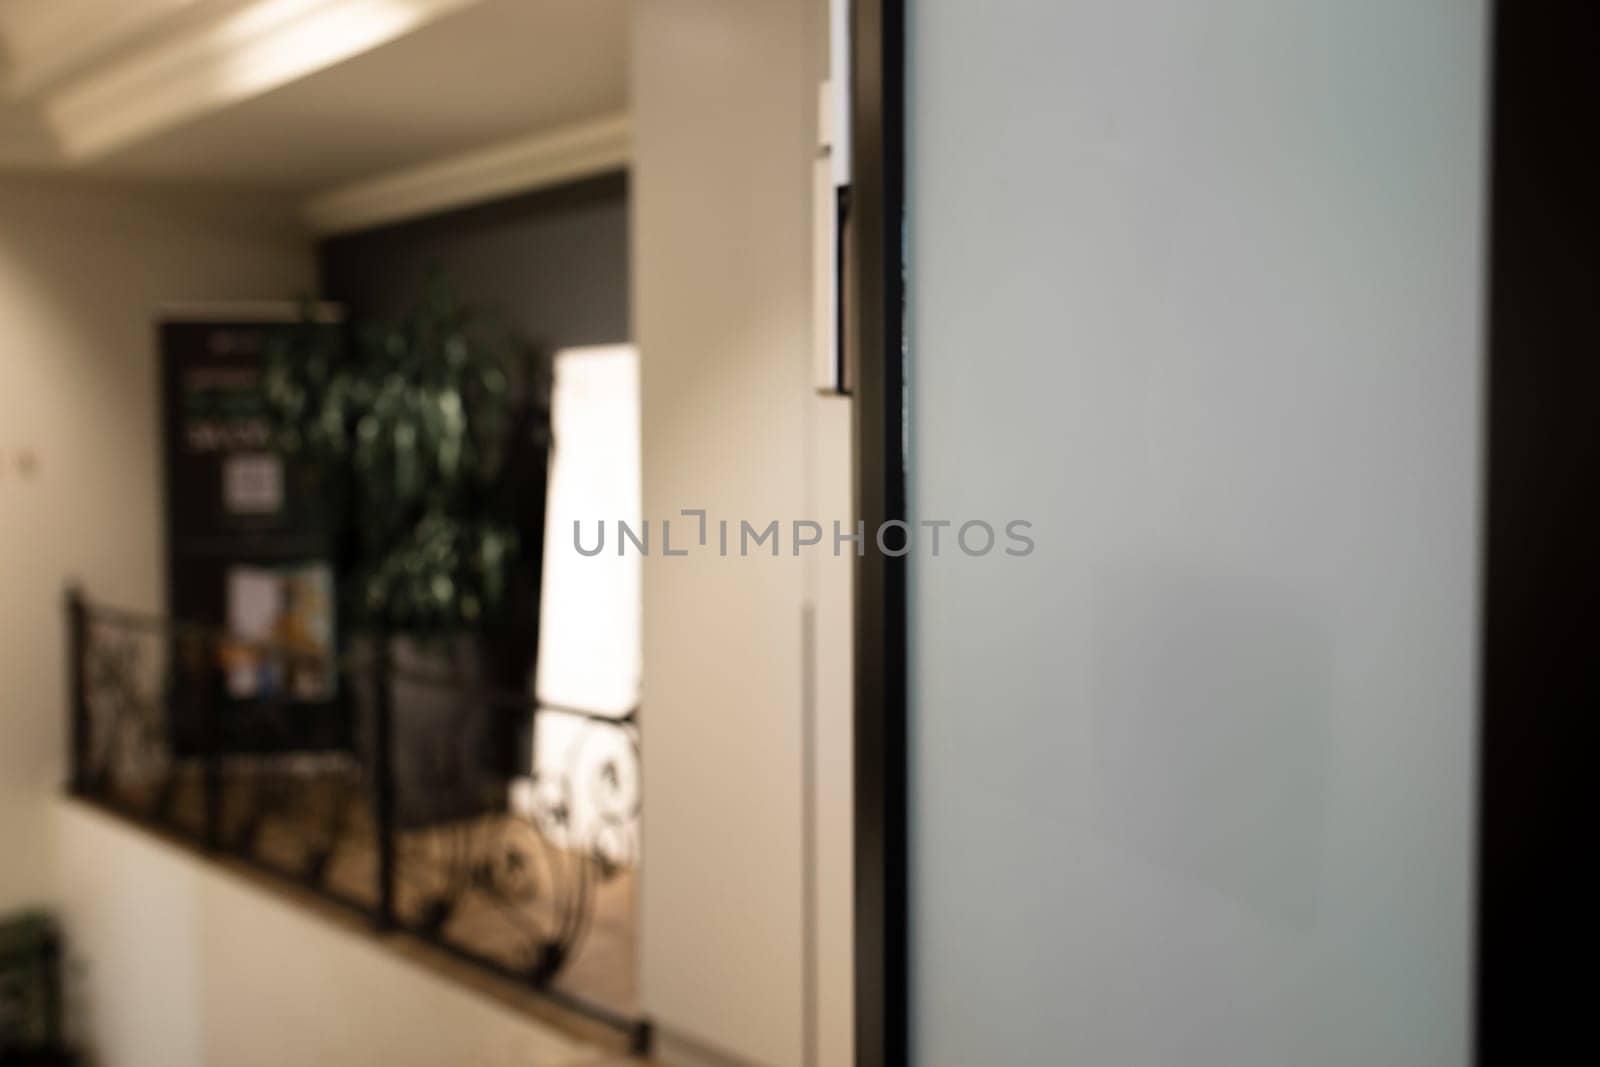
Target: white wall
x=832 y=744
x=1196 y=288
x=179 y=963
x=172 y=961
x=82 y=271
x=723 y=99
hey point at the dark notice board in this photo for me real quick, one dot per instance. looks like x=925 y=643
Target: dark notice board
x=250 y=548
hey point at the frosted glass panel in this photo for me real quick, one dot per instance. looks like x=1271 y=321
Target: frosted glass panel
x=1195 y=289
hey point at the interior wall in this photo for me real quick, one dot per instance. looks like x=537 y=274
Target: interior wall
x=171 y=961
x=191 y=966
x=1197 y=290
x=83 y=268
x=552 y=264
x=831 y=747
x=723 y=109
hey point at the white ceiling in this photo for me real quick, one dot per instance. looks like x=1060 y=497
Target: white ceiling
x=472 y=73
x=43 y=42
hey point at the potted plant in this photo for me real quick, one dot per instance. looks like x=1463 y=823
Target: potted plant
x=432 y=435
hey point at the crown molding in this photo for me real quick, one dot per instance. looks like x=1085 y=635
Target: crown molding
x=48 y=41
x=579 y=150
x=235 y=52
x=24 y=141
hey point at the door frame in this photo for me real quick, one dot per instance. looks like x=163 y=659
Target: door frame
x=874 y=297
x=1540 y=567
x=1539 y=671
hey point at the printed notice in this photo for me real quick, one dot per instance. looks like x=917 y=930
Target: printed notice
x=252 y=484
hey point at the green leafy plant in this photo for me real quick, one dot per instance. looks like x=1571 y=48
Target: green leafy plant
x=425 y=431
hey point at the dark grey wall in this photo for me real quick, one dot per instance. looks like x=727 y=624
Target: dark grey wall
x=554 y=263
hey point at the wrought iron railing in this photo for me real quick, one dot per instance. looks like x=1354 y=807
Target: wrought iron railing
x=510 y=867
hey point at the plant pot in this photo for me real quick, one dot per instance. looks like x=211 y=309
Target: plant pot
x=450 y=753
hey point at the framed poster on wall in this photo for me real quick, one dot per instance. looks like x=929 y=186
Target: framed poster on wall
x=251 y=542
